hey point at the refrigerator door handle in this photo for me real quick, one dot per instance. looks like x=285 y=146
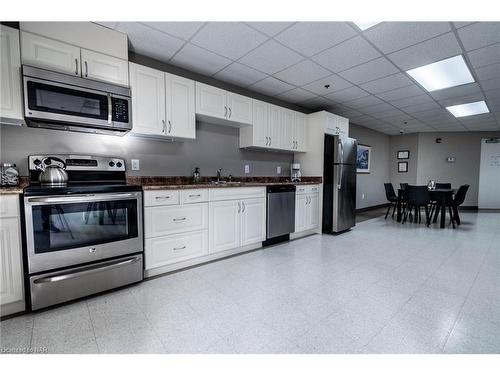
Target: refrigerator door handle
x=341 y=144
x=339 y=176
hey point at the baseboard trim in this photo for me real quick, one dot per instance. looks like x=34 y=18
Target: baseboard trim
x=364 y=209
x=468 y=208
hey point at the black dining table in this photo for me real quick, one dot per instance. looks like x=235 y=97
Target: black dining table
x=438 y=195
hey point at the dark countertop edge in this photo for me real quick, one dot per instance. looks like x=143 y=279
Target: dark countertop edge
x=213 y=186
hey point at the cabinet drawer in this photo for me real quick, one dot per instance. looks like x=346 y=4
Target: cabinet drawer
x=161 y=251
x=193 y=196
x=165 y=220
x=161 y=197
x=307 y=189
x=9 y=205
x=313 y=189
x=237 y=193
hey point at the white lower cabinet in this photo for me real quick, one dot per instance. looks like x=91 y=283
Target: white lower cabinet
x=224 y=232
x=300 y=212
x=306 y=208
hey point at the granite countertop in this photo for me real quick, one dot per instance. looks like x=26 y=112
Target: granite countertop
x=18 y=189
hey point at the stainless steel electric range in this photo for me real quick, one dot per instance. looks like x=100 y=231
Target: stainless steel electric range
x=85 y=236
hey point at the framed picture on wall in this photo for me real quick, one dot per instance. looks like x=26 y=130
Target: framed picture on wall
x=363 y=159
x=402 y=166
x=404 y=154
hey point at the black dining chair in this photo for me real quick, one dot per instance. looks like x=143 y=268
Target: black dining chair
x=418 y=197
x=404 y=197
x=391 y=197
x=457 y=201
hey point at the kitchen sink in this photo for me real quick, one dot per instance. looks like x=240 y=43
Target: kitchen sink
x=225 y=182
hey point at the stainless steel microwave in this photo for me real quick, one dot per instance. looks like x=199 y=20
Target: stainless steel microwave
x=59 y=101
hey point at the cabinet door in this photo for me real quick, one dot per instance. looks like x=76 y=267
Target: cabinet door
x=300 y=131
x=253 y=221
x=224 y=229
x=287 y=129
x=275 y=126
x=312 y=215
x=50 y=54
x=106 y=68
x=239 y=108
x=180 y=107
x=301 y=212
x=211 y=101
x=148 y=100
x=10 y=72
x=11 y=286
x=260 y=123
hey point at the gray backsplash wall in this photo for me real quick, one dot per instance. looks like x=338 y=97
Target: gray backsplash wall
x=215 y=147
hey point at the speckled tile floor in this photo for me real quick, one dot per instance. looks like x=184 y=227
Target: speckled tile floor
x=380 y=288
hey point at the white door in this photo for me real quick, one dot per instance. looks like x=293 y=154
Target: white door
x=102 y=67
x=11 y=286
x=224 y=229
x=11 y=106
x=260 y=123
x=148 y=100
x=239 y=108
x=211 y=101
x=313 y=211
x=180 y=107
x=274 y=128
x=287 y=129
x=253 y=221
x=300 y=212
x=50 y=54
x=300 y=131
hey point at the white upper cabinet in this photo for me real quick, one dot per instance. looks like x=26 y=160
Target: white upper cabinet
x=260 y=123
x=210 y=101
x=274 y=128
x=50 y=54
x=180 y=104
x=11 y=110
x=102 y=67
x=239 y=108
x=148 y=100
x=300 y=132
x=287 y=129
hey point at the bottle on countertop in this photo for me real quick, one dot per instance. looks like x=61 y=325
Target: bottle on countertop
x=9 y=174
x=196 y=175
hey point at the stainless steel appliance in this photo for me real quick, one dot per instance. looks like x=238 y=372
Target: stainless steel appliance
x=339 y=183
x=82 y=238
x=64 y=102
x=52 y=174
x=295 y=173
x=280 y=213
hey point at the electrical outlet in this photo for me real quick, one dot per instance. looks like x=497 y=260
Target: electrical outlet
x=363 y=196
x=247 y=168
x=278 y=169
x=135 y=164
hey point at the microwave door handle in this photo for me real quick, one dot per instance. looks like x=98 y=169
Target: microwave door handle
x=110 y=109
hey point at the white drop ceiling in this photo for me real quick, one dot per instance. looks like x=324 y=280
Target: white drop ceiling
x=365 y=70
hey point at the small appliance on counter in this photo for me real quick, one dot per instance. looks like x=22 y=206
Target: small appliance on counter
x=83 y=228
x=295 y=172
x=9 y=174
x=196 y=175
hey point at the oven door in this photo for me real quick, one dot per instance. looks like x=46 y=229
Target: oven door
x=67 y=230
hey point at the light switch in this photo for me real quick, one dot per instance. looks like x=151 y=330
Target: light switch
x=278 y=169
x=247 y=168
x=135 y=164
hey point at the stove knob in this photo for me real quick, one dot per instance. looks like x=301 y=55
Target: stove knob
x=48 y=161
x=111 y=163
x=119 y=164
x=37 y=162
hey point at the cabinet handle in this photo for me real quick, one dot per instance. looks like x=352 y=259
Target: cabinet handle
x=163 y=122
x=86 y=69
x=169 y=127
x=194 y=195
x=239 y=207
x=229 y=112
x=267 y=140
x=225 y=111
x=162 y=197
x=180 y=219
x=76 y=66
x=243 y=204
x=270 y=141
x=180 y=248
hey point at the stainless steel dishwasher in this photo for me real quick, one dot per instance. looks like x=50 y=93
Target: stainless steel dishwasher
x=280 y=213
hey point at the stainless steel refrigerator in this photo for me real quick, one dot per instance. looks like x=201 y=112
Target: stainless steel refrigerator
x=339 y=184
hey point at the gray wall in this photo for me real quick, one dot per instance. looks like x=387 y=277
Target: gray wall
x=400 y=143
x=215 y=147
x=371 y=185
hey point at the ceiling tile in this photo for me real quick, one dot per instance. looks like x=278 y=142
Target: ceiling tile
x=490 y=84
x=271 y=86
x=493 y=94
x=183 y=30
x=462 y=99
x=458 y=25
x=336 y=83
x=302 y=73
x=421 y=107
x=240 y=75
x=488 y=72
x=296 y=95
x=388 y=114
x=427 y=52
x=347 y=94
x=391 y=82
x=146 y=41
x=316 y=103
x=229 y=39
x=369 y=71
x=393 y=36
x=452 y=92
x=270 y=28
x=485 y=56
x=377 y=108
x=479 y=35
x=271 y=57
x=109 y=25
x=199 y=60
x=364 y=102
x=309 y=38
x=403 y=92
x=352 y=52
x=412 y=100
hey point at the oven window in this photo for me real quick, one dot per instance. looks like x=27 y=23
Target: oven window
x=55 y=99
x=71 y=225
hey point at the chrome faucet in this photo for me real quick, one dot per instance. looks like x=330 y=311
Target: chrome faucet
x=219 y=171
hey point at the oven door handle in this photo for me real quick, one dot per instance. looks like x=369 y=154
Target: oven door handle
x=81 y=198
x=87 y=270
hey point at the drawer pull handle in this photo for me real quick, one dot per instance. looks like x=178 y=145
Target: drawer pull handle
x=194 y=195
x=180 y=219
x=165 y=197
x=180 y=248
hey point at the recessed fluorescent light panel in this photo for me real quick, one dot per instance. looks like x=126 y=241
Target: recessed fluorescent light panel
x=468 y=109
x=442 y=74
x=365 y=25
